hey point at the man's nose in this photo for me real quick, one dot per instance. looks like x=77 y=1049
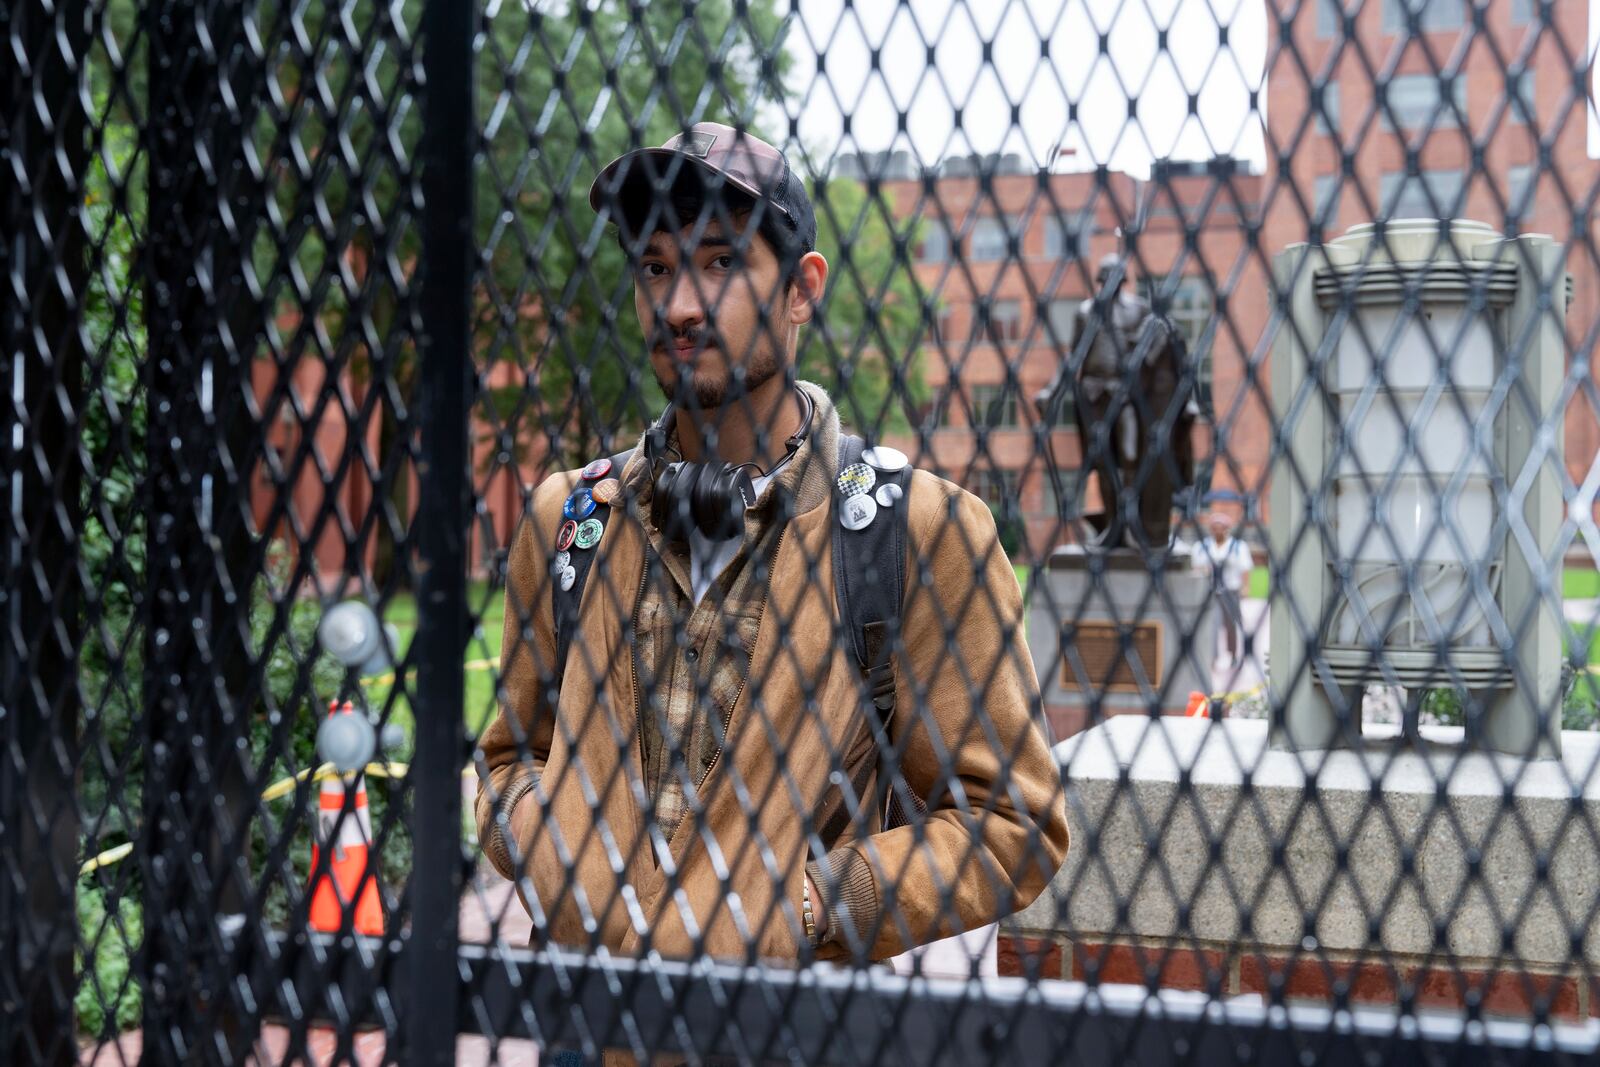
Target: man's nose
x=685 y=308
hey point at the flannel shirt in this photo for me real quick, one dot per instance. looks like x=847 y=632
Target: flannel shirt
x=693 y=661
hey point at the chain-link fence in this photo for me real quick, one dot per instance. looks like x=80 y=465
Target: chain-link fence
x=912 y=532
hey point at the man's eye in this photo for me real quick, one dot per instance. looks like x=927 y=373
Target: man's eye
x=723 y=262
x=653 y=270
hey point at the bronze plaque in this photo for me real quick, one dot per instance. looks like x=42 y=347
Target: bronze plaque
x=1098 y=646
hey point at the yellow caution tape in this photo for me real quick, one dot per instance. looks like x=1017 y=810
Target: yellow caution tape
x=278 y=789
x=107 y=858
x=1239 y=694
x=387 y=678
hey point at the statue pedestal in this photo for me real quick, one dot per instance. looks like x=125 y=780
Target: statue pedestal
x=1114 y=631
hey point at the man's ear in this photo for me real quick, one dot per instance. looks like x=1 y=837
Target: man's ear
x=810 y=282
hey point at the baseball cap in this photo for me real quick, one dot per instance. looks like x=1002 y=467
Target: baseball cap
x=706 y=150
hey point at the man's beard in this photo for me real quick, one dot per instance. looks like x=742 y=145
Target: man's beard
x=721 y=382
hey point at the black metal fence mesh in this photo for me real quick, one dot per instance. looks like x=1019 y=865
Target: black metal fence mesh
x=1214 y=678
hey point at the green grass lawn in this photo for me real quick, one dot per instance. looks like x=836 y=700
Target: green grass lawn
x=483 y=650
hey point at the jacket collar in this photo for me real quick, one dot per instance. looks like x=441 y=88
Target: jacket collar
x=807 y=479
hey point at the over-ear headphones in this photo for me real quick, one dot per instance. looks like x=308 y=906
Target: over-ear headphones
x=709 y=497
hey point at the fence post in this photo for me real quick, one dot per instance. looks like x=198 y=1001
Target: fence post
x=442 y=517
x=200 y=689
x=43 y=162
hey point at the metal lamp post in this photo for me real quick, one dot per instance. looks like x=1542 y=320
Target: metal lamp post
x=1415 y=494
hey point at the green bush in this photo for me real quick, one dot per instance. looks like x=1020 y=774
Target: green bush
x=107 y=1000
x=1579 y=708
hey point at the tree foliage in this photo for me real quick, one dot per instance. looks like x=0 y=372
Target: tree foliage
x=563 y=90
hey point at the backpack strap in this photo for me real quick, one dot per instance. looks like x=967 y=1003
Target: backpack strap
x=869 y=571
x=566 y=602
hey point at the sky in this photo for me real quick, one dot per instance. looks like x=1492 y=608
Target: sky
x=1159 y=80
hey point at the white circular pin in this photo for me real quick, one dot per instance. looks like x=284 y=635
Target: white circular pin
x=857 y=512
x=888 y=493
x=569 y=575
x=562 y=560
x=885 y=458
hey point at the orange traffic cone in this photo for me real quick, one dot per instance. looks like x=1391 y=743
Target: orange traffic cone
x=349 y=836
x=1199 y=705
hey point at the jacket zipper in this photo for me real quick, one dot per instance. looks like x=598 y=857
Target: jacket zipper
x=633 y=663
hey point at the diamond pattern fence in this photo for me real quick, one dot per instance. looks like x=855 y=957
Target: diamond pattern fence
x=1160 y=624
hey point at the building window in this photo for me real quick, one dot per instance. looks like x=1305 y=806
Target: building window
x=994 y=406
x=989 y=240
x=1519 y=187
x=1190 y=310
x=1062 y=313
x=935 y=247
x=1416 y=101
x=1066 y=238
x=1431 y=14
x=1519 y=97
x=998 y=489
x=1058 y=498
x=1005 y=321
x=1066 y=412
x=1403 y=197
x=1328 y=115
x=1329 y=18
x=1325 y=200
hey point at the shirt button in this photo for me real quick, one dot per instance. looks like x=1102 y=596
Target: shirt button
x=692 y=655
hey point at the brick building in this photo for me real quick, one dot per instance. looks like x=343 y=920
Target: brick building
x=1458 y=129
x=1010 y=251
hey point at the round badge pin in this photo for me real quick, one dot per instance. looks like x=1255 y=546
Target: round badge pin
x=887 y=494
x=589 y=532
x=580 y=505
x=885 y=459
x=857 y=512
x=564 y=557
x=607 y=491
x=597 y=468
x=564 y=536
x=569 y=575
x=856 y=479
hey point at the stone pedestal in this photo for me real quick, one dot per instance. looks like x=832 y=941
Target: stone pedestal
x=1117 y=631
x=1303 y=873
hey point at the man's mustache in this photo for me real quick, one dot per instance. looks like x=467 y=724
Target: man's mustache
x=698 y=337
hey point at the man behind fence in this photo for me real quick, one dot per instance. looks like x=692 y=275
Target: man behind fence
x=687 y=761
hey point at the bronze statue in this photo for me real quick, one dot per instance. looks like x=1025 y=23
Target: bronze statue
x=1132 y=382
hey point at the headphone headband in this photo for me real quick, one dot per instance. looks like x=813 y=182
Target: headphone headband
x=688 y=493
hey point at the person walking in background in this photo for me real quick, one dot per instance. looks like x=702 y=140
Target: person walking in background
x=1227 y=561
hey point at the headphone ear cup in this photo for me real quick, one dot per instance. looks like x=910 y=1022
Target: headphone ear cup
x=710 y=506
x=669 y=510
x=720 y=499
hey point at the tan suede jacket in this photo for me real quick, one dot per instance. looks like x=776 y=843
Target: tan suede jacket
x=561 y=806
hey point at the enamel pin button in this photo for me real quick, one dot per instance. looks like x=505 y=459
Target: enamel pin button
x=589 y=532
x=857 y=512
x=885 y=459
x=856 y=479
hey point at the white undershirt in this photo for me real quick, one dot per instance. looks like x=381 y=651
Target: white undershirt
x=709 y=558
x=1231 y=558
